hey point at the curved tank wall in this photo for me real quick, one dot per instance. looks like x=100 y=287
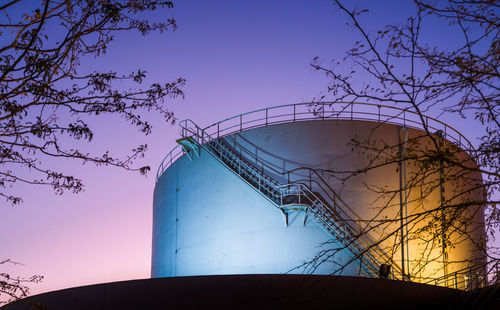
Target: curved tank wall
x=208 y=221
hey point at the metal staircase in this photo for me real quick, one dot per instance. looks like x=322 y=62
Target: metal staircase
x=287 y=197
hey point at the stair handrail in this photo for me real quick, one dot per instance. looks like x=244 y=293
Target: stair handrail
x=203 y=139
x=279 y=171
x=362 y=235
x=366 y=248
x=340 y=205
x=344 y=209
x=190 y=129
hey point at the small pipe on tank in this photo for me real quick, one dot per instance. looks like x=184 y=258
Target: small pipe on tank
x=403 y=209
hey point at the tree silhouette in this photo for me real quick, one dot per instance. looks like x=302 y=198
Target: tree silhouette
x=14 y=288
x=402 y=68
x=43 y=98
x=46 y=103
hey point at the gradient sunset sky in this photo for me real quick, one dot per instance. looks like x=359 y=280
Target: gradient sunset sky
x=236 y=56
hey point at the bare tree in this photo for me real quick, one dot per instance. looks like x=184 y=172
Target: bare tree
x=14 y=288
x=47 y=99
x=44 y=98
x=401 y=69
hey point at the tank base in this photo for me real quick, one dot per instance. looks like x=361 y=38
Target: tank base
x=262 y=291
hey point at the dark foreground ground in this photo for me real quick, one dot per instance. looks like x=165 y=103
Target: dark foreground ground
x=261 y=292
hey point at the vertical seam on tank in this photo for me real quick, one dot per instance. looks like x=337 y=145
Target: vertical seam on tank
x=176 y=217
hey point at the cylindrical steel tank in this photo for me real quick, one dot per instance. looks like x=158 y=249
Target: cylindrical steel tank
x=214 y=214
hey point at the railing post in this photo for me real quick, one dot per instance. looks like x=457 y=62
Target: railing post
x=294 y=112
x=352 y=106
x=266 y=116
x=218 y=129
x=241 y=122
x=497 y=280
x=485 y=272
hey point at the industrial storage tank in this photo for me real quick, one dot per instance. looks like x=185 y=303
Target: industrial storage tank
x=282 y=190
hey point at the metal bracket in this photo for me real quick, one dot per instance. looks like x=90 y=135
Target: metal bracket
x=190 y=146
x=294 y=207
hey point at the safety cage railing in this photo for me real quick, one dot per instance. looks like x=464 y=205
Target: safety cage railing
x=476 y=276
x=325 y=110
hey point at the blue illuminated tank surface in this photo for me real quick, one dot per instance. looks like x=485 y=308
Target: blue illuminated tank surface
x=208 y=221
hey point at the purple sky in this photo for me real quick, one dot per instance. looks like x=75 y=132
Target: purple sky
x=236 y=56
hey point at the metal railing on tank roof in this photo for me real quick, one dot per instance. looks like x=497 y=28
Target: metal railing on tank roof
x=299 y=112
x=476 y=276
